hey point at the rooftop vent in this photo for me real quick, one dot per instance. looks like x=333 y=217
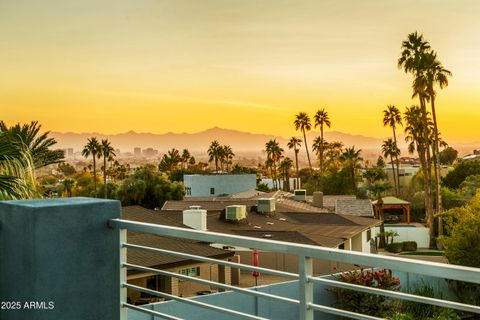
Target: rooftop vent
x=195 y=218
x=195 y=207
x=267 y=235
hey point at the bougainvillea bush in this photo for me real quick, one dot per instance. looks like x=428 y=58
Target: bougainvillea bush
x=366 y=303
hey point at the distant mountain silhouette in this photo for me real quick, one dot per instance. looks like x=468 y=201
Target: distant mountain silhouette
x=199 y=142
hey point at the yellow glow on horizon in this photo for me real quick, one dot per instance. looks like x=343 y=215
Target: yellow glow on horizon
x=161 y=66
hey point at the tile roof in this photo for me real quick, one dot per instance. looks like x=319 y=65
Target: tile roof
x=354 y=207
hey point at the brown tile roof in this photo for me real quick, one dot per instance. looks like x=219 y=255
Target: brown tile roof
x=150 y=259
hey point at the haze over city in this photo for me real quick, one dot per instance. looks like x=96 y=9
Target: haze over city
x=184 y=66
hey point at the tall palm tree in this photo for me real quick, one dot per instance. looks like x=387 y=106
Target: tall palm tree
x=302 y=122
x=390 y=149
x=321 y=119
x=412 y=61
x=93 y=148
x=392 y=117
x=435 y=74
x=37 y=144
x=295 y=144
x=352 y=159
x=107 y=151
x=214 y=153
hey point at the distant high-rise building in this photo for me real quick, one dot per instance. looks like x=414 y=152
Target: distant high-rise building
x=149 y=152
x=69 y=152
x=137 y=151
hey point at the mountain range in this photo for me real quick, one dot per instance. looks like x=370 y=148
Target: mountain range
x=200 y=141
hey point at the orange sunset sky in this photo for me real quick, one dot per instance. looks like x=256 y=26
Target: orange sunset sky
x=112 y=66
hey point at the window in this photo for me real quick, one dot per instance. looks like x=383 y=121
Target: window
x=188 y=191
x=212 y=190
x=191 y=272
x=369 y=234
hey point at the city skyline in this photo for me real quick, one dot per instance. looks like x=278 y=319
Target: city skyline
x=157 y=66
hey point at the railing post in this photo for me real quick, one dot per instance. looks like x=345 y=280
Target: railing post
x=305 y=270
x=123 y=274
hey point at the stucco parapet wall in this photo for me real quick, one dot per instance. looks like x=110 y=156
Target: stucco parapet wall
x=61 y=255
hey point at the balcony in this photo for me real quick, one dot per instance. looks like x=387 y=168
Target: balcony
x=73 y=253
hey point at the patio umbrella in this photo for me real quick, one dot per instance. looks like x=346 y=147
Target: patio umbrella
x=255 y=264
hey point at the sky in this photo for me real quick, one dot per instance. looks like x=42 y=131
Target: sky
x=160 y=66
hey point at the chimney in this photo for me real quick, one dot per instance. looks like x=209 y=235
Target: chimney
x=195 y=218
x=318 y=199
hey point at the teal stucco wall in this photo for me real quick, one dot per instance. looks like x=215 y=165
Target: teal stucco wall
x=59 y=259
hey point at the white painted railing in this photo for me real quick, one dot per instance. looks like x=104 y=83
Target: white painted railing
x=305 y=253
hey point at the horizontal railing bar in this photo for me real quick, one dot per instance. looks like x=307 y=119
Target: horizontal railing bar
x=214 y=261
x=151 y=312
x=212 y=283
x=193 y=302
x=434 y=269
x=398 y=295
x=341 y=312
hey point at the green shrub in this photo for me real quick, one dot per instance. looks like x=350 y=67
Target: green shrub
x=395 y=247
x=409 y=246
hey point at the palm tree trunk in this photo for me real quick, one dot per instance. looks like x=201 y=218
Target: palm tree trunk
x=397 y=163
x=394 y=178
x=105 y=176
x=306 y=148
x=382 y=225
x=321 y=158
x=94 y=176
x=437 y=167
x=427 y=175
x=296 y=160
x=353 y=180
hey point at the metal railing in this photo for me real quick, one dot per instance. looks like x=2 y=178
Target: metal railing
x=305 y=253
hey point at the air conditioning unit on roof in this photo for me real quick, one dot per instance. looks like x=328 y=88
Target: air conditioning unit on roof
x=266 y=205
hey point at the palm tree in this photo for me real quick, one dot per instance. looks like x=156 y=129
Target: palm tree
x=107 y=151
x=68 y=185
x=38 y=145
x=295 y=143
x=390 y=149
x=392 y=117
x=274 y=153
x=377 y=188
x=352 y=159
x=93 y=148
x=414 y=136
x=17 y=171
x=435 y=74
x=285 y=166
x=227 y=150
x=302 y=122
x=321 y=118
x=412 y=60
x=214 y=153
